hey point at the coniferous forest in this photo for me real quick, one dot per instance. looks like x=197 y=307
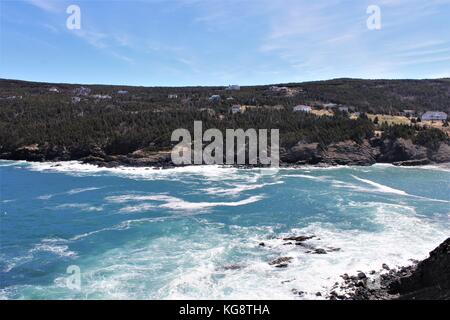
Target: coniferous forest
x=122 y=119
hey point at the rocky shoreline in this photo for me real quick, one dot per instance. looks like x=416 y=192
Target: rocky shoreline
x=422 y=280
x=425 y=280
x=400 y=152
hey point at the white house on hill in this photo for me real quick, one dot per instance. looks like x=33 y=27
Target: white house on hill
x=329 y=105
x=409 y=112
x=101 y=96
x=233 y=87
x=76 y=99
x=302 y=108
x=82 y=91
x=237 y=108
x=434 y=116
x=214 y=97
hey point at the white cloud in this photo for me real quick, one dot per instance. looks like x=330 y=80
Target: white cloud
x=46 y=5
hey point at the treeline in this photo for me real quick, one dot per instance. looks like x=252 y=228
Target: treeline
x=146 y=117
x=427 y=137
x=384 y=96
x=371 y=96
x=121 y=131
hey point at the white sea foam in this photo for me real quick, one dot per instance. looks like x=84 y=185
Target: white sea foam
x=58 y=249
x=45 y=196
x=138 y=208
x=11 y=163
x=70 y=192
x=309 y=177
x=124 y=225
x=80 y=190
x=175 y=203
x=435 y=167
x=135 y=197
x=179 y=204
x=210 y=172
x=80 y=206
x=16 y=261
x=236 y=189
x=381 y=188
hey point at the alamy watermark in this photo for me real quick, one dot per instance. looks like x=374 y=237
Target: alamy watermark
x=73 y=281
x=237 y=151
x=73 y=21
x=374 y=20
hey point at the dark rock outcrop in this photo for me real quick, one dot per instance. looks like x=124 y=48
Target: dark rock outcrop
x=430 y=279
x=401 y=150
x=302 y=153
x=441 y=155
x=281 y=262
x=298 y=238
x=350 y=153
x=398 y=152
x=426 y=280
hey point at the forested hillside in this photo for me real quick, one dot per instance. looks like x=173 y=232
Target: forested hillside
x=121 y=119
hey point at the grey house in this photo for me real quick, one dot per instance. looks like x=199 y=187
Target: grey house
x=434 y=116
x=214 y=98
x=302 y=108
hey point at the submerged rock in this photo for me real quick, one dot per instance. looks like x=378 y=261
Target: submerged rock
x=298 y=238
x=233 y=267
x=281 y=261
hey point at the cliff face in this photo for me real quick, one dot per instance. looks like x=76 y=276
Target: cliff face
x=398 y=152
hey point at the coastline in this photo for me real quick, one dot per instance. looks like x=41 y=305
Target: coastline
x=428 y=279
x=398 y=152
x=285 y=166
x=443 y=166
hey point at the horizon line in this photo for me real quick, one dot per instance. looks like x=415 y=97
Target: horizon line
x=225 y=85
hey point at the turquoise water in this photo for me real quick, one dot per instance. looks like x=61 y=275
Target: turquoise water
x=194 y=232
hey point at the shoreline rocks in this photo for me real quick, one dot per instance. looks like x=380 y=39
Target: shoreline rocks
x=399 y=152
x=425 y=280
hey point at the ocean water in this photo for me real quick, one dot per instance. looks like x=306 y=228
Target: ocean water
x=194 y=232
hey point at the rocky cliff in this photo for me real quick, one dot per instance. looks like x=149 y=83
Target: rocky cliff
x=399 y=152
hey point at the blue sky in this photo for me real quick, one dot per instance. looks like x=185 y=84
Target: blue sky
x=209 y=42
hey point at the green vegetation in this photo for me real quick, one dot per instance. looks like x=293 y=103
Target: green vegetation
x=146 y=117
x=430 y=138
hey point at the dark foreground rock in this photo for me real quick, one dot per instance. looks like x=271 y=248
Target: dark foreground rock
x=430 y=279
x=426 y=280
